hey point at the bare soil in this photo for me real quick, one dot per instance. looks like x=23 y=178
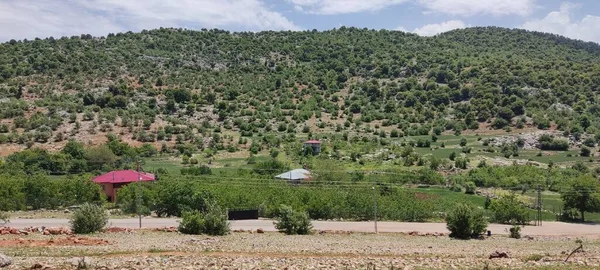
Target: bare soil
x=271 y=250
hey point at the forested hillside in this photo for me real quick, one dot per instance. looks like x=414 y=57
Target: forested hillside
x=194 y=85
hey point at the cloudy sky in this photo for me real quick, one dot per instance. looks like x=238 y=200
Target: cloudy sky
x=19 y=19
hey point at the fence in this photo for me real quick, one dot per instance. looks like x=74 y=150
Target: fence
x=242 y=214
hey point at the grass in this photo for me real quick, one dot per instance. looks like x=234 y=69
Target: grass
x=447 y=200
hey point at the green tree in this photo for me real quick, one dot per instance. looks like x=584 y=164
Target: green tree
x=582 y=193
x=99 y=157
x=509 y=210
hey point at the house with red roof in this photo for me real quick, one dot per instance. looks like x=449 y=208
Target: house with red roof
x=112 y=181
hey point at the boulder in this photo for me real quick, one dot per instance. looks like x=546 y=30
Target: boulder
x=499 y=255
x=4 y=261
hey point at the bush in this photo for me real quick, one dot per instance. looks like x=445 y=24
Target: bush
x=465 y=222
x=456 y=187
x=509 y=210
x=4 y=218
x=515 y=232
x=88 y=219
x=191 y=223
x=470 y=188
x=585 y=152
x=212 y=222
x=215 y=221
x=292 y=222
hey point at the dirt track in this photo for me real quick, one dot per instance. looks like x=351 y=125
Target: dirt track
x=548 y=228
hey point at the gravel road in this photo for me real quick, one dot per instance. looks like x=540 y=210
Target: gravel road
x=548 y=228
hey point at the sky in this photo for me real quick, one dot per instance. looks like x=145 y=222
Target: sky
x=20 y=19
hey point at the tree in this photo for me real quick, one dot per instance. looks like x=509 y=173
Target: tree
x=74 y=149
x=100 y=156
x=509 y=210
x=582 y=193
x=463 y=142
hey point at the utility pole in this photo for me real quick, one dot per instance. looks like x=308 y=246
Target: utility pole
x=539 y=204
x=375 y=204
x=139 y=192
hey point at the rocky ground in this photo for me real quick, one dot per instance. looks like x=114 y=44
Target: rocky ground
x=244 y=250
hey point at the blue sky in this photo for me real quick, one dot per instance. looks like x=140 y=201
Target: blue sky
x=21 y=19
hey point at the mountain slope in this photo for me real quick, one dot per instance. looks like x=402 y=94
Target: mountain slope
x=143 y=85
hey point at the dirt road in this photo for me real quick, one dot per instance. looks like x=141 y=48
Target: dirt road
x=548 y=228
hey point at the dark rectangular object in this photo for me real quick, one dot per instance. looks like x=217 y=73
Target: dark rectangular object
x=242 y=214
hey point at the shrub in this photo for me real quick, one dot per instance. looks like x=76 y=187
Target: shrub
x=215 y=220
x=88 y=219
x=212 y=222
x=585 y=152
x=465 y=221
x=456 y=187
x=515 y=232
x=509 y=210
x=4 y=218
x=470 y=188
x=292 y=222
x=534 y=257
x=191 y=223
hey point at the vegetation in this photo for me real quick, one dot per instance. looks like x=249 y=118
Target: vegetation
x=4 y=217
x=191 y=223
x=583 y=194
x=465 y=221
x=216 y=115
x=89 y=218
x=515 y=232
x=509 y=210
x=290 y=221
x=212 y=222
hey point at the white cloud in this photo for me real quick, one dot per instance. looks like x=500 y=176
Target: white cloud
x=480 y=7
x=43 y=18
x=560 y=22
x=435 y=28
x=330 y=7
x=400 y=28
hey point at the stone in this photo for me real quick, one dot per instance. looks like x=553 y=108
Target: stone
x=499 y=255
x=4 y=261
x=260 y=230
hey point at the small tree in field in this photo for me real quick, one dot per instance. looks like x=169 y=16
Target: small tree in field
x=582 y=193
x=509 y=210
x=465 y=222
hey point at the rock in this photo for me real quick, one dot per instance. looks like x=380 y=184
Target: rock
x=260 y=230
x=4 y=261
x=40 y=266
x=81 y=263
x=499 y=255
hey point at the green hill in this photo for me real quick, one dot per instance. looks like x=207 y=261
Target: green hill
x=154 y=85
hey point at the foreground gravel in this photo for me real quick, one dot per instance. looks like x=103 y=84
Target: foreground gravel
x=162 y=250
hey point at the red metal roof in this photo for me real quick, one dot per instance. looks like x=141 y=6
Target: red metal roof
x=312 y=141
x=124 y=176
